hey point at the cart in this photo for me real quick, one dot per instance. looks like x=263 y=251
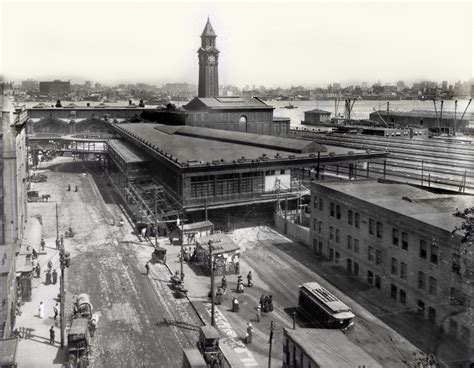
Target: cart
x=83 y=307
x=158 y=255
x=78 y=343
x=208 y=345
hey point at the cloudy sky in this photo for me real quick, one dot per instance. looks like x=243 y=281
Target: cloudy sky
x=267 y=43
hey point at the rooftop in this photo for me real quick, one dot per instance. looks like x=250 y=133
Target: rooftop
x=318 y=111
x=330 y=348
x=195 y=144
x=129 y=153
x=220 y=103
x=427 y=114
x=433 y=209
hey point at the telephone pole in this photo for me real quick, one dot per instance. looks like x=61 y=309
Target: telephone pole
x=270 y=348
x=57 y=224
x=212 y=266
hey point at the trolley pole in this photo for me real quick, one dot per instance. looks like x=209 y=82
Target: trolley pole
x=211 y=264
x=270 y=348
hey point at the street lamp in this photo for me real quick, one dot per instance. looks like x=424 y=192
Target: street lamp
x=64 y=260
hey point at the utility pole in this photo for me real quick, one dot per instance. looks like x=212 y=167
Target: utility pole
x=212 y=266
x=182 y=246
x=455 y=112
x=156 y=223
x=64 y=260
x=57 y=225
x=270 y=348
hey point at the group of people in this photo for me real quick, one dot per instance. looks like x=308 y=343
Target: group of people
x=189 y=254
x=266 y=303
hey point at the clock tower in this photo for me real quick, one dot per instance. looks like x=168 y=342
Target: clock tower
x=208 y=61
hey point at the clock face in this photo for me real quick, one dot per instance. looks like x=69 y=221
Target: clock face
x=211 y=58
x=243 y=119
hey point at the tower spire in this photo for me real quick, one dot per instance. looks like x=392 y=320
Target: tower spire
x=208 y=30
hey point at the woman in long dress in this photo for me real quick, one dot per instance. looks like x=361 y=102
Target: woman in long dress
x=40 y=310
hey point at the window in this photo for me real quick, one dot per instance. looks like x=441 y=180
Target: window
x=379 y=230
x=371 y=226
x=434 y=253
x=421 y=280
x=356 y=269
x=432 y=314
x=456 y=265
x=393 y=291
x=378 y=256
x=331 y=254
x=404 y=240
x=378 y=282
x=370 y=277
x=337 y=236
x=356 y=246
x=331 y=233
x=320 y=247
x=282 y=172
x=403 y=270
x=395 y=237
x=331 y=209
x=315 y=222
x=338 y=256
x=315 y=202
x=320 y=204
x=370 y=253
x=350 y=216
x=402 y=296
x=357 y=220
x=394 y=268
x=349 y=242
x=338 y=212
x=320 y=227
x=432 y=285
x=349 y=265
x=423 y=249
x=420 y=305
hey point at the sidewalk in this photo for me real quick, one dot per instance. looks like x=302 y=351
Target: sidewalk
x=231 y=325
x=34 y=349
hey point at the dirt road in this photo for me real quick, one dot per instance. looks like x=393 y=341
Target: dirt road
x=137 y=324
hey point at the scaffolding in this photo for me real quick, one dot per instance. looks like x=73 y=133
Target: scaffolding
x=156 y=204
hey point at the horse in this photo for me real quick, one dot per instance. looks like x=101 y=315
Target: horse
x=45 y=197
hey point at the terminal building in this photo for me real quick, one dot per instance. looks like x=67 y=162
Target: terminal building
x=200 y=168
x=398 y=239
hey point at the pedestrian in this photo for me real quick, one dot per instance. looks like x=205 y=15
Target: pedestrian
x=235 y=304
x=35 y=254
x=249 y=279
x=259 y=313
x=51 y=335
x=147 y=267
x=42 y=245
x=237 y=267
x=56 y=311
x=55 y=277
x=40 y=310
x=249 y=333
x=265 y=304
x=38 y=271
x=224 y=282
x=57 y=243
x=262 y=301
x=270 y=303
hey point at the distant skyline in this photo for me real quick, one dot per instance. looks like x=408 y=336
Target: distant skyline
x=263 y=43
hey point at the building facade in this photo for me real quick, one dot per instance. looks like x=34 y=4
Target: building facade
x=316 y=117
x=55 y=88
x=397 y=238
x=208 y=63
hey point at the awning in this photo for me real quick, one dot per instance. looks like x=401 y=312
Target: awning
x=8 y=348
x=23 y=264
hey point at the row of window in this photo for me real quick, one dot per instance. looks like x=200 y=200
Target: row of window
x=403 y=268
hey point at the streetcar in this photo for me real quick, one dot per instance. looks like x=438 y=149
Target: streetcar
x=322 y=308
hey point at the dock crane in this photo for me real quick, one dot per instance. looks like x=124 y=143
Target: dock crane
x=348 y=107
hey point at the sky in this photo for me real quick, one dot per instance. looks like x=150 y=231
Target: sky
x=280 y=43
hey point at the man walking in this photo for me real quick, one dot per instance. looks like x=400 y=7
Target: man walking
x=56 y=311
x=147 y=267
x=259 y=313
x=51 y=335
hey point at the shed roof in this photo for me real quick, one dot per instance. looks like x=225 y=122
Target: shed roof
x=201 y=145
x=220 y=243
x=330 y=348
x=129 y=153
x=197 y=226
x=226 y=103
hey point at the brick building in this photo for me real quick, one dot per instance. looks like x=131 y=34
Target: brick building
x=397 y=238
